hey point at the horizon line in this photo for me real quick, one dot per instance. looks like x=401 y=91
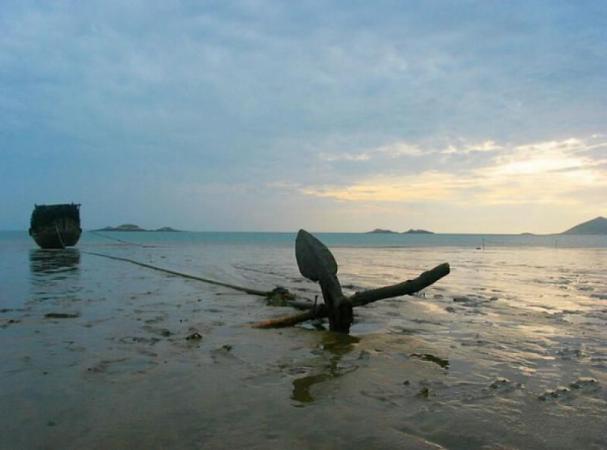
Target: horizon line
x=562 y=233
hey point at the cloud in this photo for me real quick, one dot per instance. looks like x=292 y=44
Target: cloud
x=358 y=103
x=549 y=172
x=487 y=146
x=402 y=149
x=390 y=151
x=344 y=157
x=427 y=186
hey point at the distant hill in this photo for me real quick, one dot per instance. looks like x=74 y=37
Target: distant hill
x=412 y=231
x=123 y=227
x=173 y=230
x=594 y=226
x=381 y=231
x=132 y=227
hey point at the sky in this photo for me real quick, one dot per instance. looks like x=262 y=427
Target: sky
x=468 y=116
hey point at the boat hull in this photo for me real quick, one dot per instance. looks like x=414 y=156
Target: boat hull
x=60 y=233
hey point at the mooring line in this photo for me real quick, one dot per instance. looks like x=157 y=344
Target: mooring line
x=59 y=236
x=181 y=274
x=121 y=240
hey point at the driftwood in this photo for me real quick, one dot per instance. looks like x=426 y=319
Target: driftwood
x=408 y=287
x=316 y=263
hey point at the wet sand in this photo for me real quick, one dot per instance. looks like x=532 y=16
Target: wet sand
x=509 y=351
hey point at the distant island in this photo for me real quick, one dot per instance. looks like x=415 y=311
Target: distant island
x=594 y=226
x=173 y=230
x=132 y=227
x=410 y=231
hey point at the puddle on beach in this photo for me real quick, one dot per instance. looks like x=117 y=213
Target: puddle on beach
x=480 y=360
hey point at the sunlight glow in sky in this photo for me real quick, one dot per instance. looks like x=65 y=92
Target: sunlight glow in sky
x=472 y=116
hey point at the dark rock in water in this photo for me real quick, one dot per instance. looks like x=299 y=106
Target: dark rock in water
x=195 y=336
x=279 y=296
x=6 y=323
x=424 y=392
x=581 y=385
x=504 y=385
x=435 y=359
x=554 y=393
x=584 y=383
x=594 y=226
x=61 y=316
x=498 y=382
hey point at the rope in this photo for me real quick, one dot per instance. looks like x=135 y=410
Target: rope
x=120 y=240
x=59 y=236
x=183 y=275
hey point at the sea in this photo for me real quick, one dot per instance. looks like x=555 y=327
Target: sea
x=509 y=351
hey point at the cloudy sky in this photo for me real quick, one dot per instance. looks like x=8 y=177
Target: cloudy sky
x=468 y=116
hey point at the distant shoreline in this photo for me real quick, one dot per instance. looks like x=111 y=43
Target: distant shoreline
x=409 y=231
x=90 y=230
x=136 y=228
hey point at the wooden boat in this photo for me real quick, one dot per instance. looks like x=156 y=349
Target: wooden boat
x=56 y=226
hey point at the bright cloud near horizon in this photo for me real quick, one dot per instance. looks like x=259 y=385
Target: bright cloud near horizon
x=472 y=116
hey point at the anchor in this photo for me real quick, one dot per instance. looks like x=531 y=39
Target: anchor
x=317 y=263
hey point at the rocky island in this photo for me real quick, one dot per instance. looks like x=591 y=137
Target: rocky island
x=172 y=230
x=594 y=226
x=412 y=231
x=132 y=227
x=409 y=231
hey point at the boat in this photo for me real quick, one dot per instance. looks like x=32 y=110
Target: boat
x=56 y=226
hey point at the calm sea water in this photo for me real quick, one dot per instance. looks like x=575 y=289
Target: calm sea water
x=335 y=239
x=508 y=351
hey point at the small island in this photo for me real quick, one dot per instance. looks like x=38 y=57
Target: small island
x=409 y=231
x=412 y=231
x=168 y=229
x=132 y=227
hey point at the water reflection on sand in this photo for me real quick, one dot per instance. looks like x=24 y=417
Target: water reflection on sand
x=54 y=261
x=508 y=351
x=327 y=365
x=54 y=273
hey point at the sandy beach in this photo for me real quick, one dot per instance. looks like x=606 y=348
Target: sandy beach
x=508 y=351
